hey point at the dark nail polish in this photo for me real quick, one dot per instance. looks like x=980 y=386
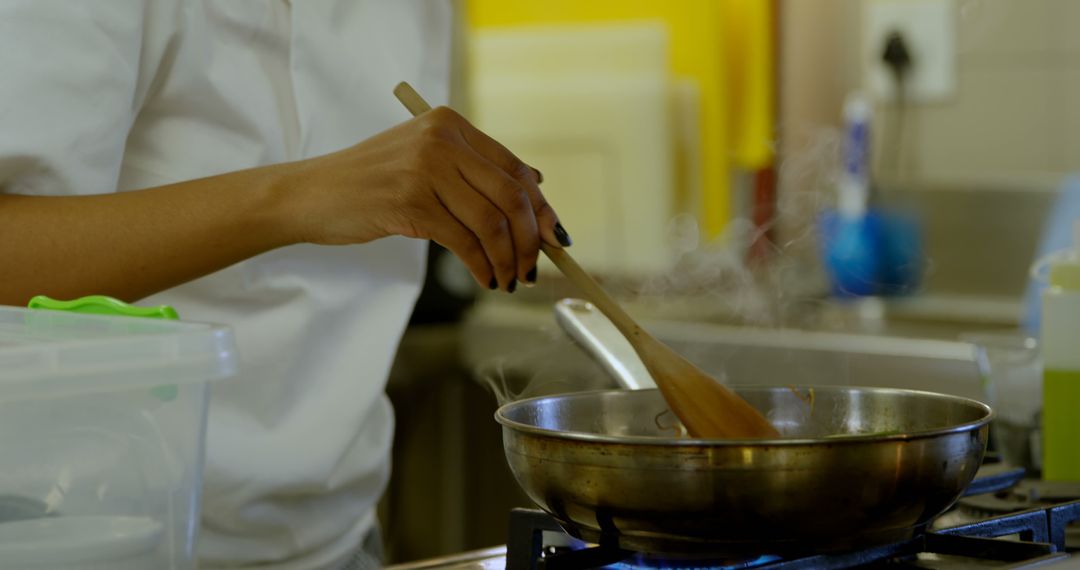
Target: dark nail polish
x=512 y=286
x=562 y=236
x=539 y=176
x=531 y=275
x=493 y=285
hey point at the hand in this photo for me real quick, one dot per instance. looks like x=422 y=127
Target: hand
x=433 y=177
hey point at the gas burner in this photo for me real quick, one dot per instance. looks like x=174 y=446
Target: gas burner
x=644 y=561
x=1000 y=503
x=1026 y=494
x=1041 y=534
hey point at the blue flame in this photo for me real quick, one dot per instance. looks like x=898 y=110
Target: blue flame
x=639 y=562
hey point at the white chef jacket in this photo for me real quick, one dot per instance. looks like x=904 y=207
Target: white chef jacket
x=112 y=95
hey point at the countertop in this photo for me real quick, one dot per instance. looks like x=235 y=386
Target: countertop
x=517 y=346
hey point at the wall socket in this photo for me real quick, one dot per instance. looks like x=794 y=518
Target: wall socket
x=929 y=30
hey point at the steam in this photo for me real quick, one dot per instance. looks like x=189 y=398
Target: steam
x=712 y=280
x=555 y=366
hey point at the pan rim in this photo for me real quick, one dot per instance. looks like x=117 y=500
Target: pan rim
x=988 y=415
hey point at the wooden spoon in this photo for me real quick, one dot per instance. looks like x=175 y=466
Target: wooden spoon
x=705 y=406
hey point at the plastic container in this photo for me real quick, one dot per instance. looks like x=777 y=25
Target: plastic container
x=867 y=249
x=877 y=253
x=1061 y=365
x=1056 y=236
x=102 y=432
x=1011 y=371
x=850 y=235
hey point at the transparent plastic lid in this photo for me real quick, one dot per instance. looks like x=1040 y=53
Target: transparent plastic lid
x=54 y=353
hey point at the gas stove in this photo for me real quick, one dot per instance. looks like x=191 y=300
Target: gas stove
x=1005 y=521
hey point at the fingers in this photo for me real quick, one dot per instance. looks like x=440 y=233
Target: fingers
x=514 y=202
x=529 y=178
x=488 y=224
x=547 y=221
x=450 y=233
x=490 y=193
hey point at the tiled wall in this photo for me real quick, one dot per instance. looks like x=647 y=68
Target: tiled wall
x=984 y=166
x=992 y=157
x=1016 y=110
x=1015 y=114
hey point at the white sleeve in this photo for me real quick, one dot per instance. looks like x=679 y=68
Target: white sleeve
x=68 y=76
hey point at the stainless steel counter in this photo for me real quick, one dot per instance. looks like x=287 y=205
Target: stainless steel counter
x=519 y=344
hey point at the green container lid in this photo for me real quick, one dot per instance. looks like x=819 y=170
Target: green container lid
x=94 y=344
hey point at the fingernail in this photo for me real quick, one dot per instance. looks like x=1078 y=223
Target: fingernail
x=530 y=277
x=513 y=285
x=539 y=176
x=493 y=284
x=562 y=236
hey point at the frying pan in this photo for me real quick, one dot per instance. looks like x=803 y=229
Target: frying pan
x=855 y=467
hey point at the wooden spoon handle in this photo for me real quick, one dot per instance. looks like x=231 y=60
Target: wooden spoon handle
x=591 y=290
x=411 y=99
x=594 y=293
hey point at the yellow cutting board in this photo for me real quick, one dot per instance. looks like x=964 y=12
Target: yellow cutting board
x=697 y=52
x=591 y=106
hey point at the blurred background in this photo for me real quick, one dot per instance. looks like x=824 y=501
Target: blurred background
x=826 y=192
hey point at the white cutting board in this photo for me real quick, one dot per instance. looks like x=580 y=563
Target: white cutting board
x=591 y=107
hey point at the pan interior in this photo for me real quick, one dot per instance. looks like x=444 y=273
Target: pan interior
x=798 y=412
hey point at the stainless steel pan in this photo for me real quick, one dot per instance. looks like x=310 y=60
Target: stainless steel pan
x=857 y=466
x=607 y=466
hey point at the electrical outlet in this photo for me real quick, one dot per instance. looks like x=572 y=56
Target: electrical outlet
x=929 y=30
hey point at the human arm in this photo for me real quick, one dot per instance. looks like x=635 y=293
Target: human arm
x=433 y=177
